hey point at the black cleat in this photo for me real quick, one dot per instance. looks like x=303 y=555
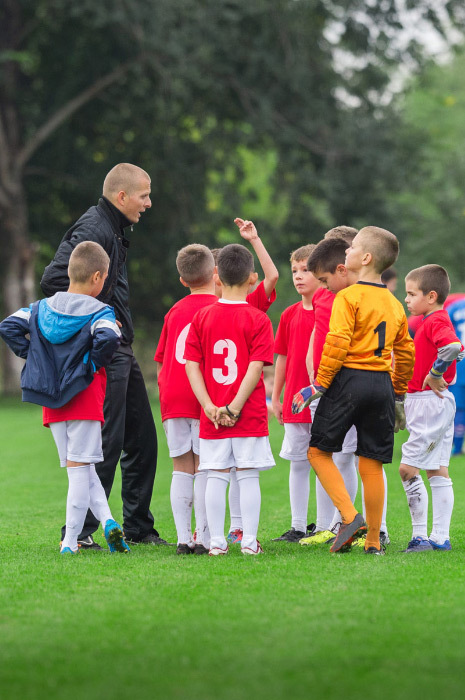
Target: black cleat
x=89 y=543
x=151 y=538
x=377 y=552
x=291 y=535
x=348 y=533
x=183 y=549
x=384 y=539
x=200 y=549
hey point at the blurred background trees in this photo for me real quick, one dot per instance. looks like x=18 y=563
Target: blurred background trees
x=298 y=114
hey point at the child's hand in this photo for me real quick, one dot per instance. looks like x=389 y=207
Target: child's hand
x=224 y=417
x=278 y=411
x=436 y=384
x=210 y=412
x=247 y=229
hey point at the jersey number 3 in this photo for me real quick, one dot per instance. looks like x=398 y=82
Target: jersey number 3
x=230 y=365
x=381 y=330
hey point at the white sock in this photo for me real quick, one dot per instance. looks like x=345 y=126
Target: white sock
x=215 y=503
x=181 y=495
x=383 y=527
x=325 y=510
x=442 y=496
x=201 y=524
x=249 y=485
x=417 y=499
x=327 y=516
x=234 y=502
x=98 y=500
x=299 y=490
x=345 y=462
x=77 y=504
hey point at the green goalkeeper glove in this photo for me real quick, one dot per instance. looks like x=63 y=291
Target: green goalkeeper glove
x=400 y=421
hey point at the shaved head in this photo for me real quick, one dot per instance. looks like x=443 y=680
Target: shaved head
x=124 y=177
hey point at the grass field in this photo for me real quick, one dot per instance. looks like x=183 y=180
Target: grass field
x=291 y=624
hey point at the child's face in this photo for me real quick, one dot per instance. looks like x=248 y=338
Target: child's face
x=355 y=254
x=417 y=302
x=304 y=282
x=334 y=281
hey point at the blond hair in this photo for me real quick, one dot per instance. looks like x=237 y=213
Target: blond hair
x=124 y=177
x=302 y=253
x=86 y=259
x=382 y=244
x=195 y=264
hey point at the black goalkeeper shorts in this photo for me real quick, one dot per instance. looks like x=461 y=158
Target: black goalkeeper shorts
x=362 y=398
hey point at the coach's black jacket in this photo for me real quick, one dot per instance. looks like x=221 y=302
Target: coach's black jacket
x=103 y=224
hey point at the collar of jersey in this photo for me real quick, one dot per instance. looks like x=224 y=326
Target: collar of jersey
x=230 y=301
x=371 y=284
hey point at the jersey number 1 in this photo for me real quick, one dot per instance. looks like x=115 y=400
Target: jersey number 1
x=381 y=330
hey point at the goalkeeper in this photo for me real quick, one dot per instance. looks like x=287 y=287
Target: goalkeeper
x=367 y=325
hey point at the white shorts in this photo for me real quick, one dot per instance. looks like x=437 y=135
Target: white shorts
x=430 y=422
x=182 y=435
x=296 y=441
x=243 y=453
x=78 y=441
x=349 y=446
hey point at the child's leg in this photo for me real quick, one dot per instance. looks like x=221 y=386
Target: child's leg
x=249 y=485
x=345 y=462
x=383 y=520
x=299 y=491
x=371 y=472
x=442 y=496
x=215 y=503
x=182 y=495
x=77 y=503
x=417 y=499
x=234 y=503
x=201 y=523
x=98 y=500
x=325 y=510
x=332 y=482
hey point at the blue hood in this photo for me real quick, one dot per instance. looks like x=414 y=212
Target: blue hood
x=64 y=315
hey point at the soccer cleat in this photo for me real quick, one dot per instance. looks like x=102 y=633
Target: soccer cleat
x=68 y=550
x=183 y=549
x=291 y=535
x=200 y=549
x=360 y=542
x=418 y=544
x=384 y=538
x=254 y=552
x=234 y=536
x=445 y=546
x=217 y=551
x=152 y=538
x=114 y=537
x=377 y=552
x=348 y=532
x=321 y=537
x=89 y=543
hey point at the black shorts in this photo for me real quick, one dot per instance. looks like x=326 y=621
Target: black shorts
x=362 y=398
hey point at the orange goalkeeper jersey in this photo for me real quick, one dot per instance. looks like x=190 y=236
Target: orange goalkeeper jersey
x=367 y=325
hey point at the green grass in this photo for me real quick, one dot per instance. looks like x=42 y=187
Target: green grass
x=295 y=623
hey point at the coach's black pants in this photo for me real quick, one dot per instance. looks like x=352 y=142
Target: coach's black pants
x=128 y=435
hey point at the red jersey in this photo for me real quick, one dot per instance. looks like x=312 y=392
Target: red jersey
x=322 y=302
x=292 y=338
x=177 y=400
x=224 y=339
x=435 y=332
x=87 y=405
x=259 y=299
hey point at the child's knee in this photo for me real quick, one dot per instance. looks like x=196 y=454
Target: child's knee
x=406 y=472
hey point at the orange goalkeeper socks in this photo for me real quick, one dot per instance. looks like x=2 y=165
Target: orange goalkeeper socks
x=371 y=472
x=332 y=482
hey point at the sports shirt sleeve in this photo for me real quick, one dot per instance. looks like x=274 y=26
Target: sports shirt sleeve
x=341 y=328
x=447 y=343
x=259 y=299
x=160 y=351
x=404 y=359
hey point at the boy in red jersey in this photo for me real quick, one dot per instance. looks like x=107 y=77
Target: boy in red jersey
x=66 y=341
x=430 y=409
x=292 y=338
x=227 y=346
x=180 y=410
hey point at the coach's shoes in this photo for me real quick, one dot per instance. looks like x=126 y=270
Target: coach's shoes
x=68 y=550
x=234 y=536
x=217 y=551
x=291 y=535
x=89 y=543
x=445 y=546
x=348 y=532
x=183 y=549
x=418 y=544
x=152 y=538
x=249 y=550
x=115 y=538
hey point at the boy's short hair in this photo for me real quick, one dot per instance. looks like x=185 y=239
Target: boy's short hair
x=215 y=252
x=235 y=263
x=86 y=259
x=328 y=254
x=195 y=264
x=382 y=244
x=302 y=253
x=388 y=275
x=431 y=278
x=348 y=233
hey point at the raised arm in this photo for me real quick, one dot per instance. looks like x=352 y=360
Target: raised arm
x=249 y=233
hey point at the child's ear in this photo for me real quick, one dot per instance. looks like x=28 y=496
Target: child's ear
x=216 y=279
x=432 y=297
x=341 y=269
x=367 y=258
x=253 y=277
x=183 y=282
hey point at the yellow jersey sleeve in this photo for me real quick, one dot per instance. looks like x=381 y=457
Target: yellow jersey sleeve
x=367 y=325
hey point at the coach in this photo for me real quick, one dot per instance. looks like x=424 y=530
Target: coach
x=128 y=433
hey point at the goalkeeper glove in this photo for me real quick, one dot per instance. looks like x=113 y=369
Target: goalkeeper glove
x=305 y=396
x=399 y=422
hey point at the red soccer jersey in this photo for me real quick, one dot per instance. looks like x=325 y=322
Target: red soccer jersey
x=259 y=299
x=435 y=332
x=322 y=303
x=177 y=400
x=87 y=405
x=224 y=339
x=292 y=338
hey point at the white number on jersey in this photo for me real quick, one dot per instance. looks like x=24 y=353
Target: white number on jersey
x=181 y=345
x=229 y=362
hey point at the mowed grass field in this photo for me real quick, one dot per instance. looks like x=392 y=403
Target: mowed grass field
x=294 y=623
